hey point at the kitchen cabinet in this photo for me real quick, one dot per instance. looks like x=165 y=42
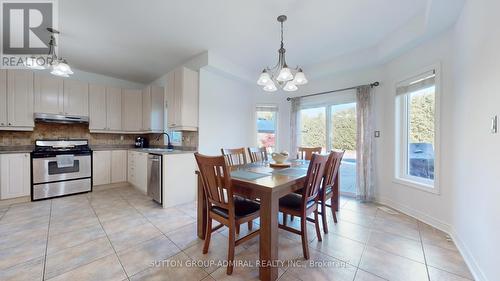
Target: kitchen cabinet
x=3 y=98
x=101 y=167
x=153 y=109
x=14 y=175
x=118 y=166
x=49 y=93
x=113 y=109
x=54 y=95
x=18 y=103
x=137 y=170
x=132 y=109
x=97 y=108
x=76 y=98
x=182 y=99
x=109 y=167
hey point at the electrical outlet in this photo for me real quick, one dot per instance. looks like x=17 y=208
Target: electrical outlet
x=494 y=124
x=121 y=138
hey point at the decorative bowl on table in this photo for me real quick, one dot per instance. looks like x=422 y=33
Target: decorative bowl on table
x=280 y=158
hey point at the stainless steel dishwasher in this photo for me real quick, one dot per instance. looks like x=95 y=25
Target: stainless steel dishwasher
x=155 y=177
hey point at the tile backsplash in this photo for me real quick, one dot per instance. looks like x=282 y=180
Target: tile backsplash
x=81 y=131
x=59 y=131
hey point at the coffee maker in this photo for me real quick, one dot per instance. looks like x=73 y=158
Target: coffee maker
x=141 y=142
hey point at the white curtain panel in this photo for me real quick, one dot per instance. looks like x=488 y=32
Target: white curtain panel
x=364 y=145
x=294 y=125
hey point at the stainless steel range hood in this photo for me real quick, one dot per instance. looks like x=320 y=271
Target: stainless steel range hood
x=63 y=119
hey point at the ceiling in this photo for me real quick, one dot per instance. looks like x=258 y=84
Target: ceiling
x=142 y=40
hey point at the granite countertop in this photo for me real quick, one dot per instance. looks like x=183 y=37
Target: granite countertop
x=163 y=151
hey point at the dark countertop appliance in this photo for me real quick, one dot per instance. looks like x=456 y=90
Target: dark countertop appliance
x=141 y=142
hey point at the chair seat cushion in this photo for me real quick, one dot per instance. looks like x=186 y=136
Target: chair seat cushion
x=242 y=208
x=294 y=201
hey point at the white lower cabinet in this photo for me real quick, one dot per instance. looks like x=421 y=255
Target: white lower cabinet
x=101 y=167
x=109 y=167
x=118 y=166
x=14 y=175
x=137 y=170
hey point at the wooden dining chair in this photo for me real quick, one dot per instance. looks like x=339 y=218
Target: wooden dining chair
x=257 y=154
x=329 y=188
x=305 y=153
x=222 y=205
x=234 y=156
x=302 y=205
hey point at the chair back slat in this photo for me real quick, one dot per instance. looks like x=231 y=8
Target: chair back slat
x=332 y=168
x=314 y=176
x=305 y=153
x=257 y=154
x=216 y=180
x=234 y=156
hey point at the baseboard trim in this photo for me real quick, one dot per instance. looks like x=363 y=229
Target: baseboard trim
x=474 y=268
x=434 y=222
x=445 y=227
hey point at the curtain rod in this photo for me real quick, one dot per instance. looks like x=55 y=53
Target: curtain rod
x=374 y=84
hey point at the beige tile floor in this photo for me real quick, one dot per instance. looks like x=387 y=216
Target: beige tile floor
x=119 y=234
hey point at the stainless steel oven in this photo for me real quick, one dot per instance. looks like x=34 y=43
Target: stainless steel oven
x=60 y=167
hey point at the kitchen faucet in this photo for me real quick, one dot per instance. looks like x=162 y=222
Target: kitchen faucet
x=169 y=145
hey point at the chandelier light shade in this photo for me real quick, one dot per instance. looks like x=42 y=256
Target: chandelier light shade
x=281 y=75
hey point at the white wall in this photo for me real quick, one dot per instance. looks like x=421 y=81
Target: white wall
x=225 y=112
x=474 y=152
x=433 y=208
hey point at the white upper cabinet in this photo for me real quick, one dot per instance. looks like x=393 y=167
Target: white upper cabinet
x=48 y=94
x=76 y=98
x=97 y=107
x=20 y=99
x=152 y=109
x=114 y=109
x=182 y=99
x=55 y=95
x=3 y=97
x=146 y=109
x=132 y=110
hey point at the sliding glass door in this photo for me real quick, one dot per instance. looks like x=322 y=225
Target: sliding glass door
x=343 y=137
x=333 y=126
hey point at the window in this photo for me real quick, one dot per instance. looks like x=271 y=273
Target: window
x=416 y=100
x=313 y=127
x=267 y=124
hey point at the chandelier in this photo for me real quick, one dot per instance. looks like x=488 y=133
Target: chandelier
x=58 y=65
x=281 y=75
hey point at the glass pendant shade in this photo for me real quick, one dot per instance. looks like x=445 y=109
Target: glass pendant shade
x=300 y=78
x=285 y=75
x=290 y=87
x=264 y=79
x=59 y=73
x=270 y=87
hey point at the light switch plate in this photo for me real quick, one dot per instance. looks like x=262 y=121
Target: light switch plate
x=377 y=134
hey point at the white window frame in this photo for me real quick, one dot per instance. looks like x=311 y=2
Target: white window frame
x=401 y=136
x=276 y=147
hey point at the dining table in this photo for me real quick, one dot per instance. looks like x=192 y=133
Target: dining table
x=267 y=183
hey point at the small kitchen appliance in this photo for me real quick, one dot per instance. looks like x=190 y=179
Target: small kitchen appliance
x=141 y=142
